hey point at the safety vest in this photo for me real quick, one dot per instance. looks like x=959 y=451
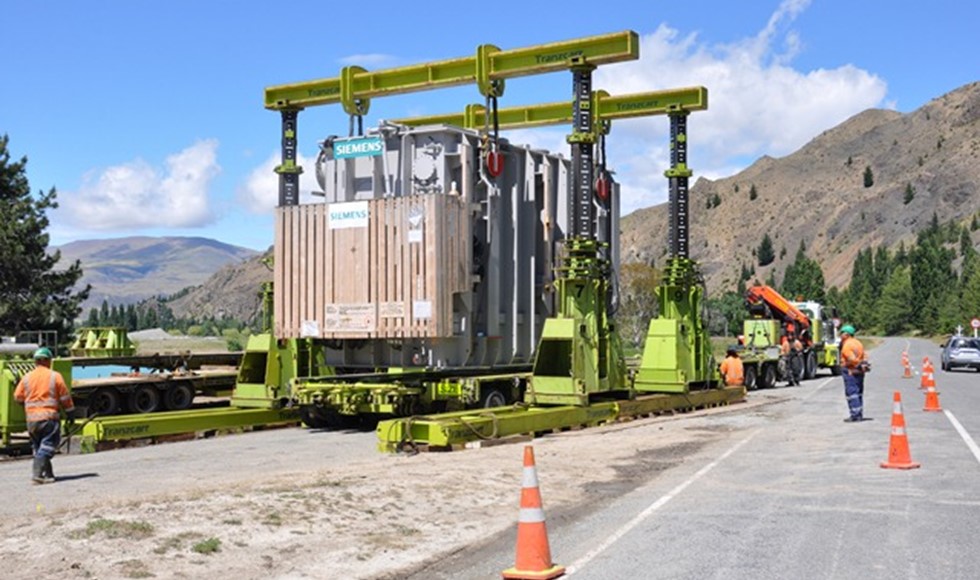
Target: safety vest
x=852 y=353
x=733 y=371
x=43 y=391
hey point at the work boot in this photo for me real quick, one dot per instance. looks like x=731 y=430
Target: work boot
x=47 y=473
x=37 y=471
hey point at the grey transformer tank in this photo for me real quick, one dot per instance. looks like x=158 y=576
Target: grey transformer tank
x=418 y=258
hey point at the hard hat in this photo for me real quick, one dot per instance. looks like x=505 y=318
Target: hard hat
x=43 y=352
x=847 y=328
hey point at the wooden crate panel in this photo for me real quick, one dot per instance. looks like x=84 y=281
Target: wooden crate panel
x=383 y=268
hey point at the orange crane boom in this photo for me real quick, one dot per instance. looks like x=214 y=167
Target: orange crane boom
x=764 y=294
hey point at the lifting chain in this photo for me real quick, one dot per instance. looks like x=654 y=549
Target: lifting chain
x=602 y=182
x=491 y=141
x=357 y=119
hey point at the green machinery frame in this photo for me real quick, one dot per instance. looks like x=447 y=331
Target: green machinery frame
x=488 y=69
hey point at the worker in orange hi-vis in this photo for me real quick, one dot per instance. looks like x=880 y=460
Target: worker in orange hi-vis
x=732 y=369
x=854 y=365
x=43 y=392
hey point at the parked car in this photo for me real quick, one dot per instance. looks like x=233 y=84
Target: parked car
x=961 y=352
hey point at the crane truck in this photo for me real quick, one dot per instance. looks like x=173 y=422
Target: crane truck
x=771 y=317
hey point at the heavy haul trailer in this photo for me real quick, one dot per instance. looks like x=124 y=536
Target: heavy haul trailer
x=432 y=348
x=426 y=262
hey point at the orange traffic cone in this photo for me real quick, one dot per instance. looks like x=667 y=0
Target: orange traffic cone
x=932 y=400
x=898 y=447
x=908 y=372
x=928 y=378
x=533 y=553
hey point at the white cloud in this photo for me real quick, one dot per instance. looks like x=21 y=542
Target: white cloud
x=138 y=195
x=372 y=60
x=758 y=103
x=259 y=194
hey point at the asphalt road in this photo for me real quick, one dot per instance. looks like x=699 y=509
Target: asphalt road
x=791 y=492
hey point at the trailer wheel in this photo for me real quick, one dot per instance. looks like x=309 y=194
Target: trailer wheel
x=144 y=400
x=750 y=378
x=811 y=366
x=493 y=398
x=768 y=379
x=313 y=417
x=179 y=398
x=104 y=402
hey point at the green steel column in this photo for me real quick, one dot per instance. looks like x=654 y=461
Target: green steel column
x=289 y=171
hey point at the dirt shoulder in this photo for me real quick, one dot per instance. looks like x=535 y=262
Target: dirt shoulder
x=289 y=503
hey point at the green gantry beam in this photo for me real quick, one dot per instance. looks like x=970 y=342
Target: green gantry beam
x=489 y=64
x=608 y=108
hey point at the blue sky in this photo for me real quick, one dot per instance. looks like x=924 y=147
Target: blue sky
x=147 y=116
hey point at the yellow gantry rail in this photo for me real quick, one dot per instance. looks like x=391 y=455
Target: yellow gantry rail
x=355 y=86
x=606 y=107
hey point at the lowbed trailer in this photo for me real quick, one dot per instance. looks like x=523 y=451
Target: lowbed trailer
x=138 y=392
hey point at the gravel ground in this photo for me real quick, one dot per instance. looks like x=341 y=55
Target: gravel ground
x=296 y=503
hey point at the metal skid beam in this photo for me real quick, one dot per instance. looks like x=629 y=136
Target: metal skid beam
x=452 y=429
x=177 y=422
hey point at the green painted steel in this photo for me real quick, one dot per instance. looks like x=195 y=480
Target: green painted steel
x=404 y=393
x=490 y=64
x=607 y=108
x=179 y=422
x=677 y=352
x=450 y=429
x=12 y=418
x=579 y=353
x=268 y=367
x=102 y=342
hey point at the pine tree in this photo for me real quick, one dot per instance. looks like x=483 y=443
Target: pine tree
x=753 y=193
x=909 y=194
x=869 y=177
x=765 y=253
x=93 y=318
x=804 y=277
x=896 y=296
x=36 y=292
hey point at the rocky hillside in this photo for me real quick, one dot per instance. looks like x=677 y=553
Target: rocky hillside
x=234 y=291
x=817 y=194
x=127 y=270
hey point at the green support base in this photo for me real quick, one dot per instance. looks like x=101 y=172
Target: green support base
x=451 y=429
x=179 y=422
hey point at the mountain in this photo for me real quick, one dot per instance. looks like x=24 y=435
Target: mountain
x=126 y=270
x=234 y=291
x=817 y=194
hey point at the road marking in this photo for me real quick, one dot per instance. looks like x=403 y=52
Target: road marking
x=818 y=387
x=581 y=562
x=966 y=436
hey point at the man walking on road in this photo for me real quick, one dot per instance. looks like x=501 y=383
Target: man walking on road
x=43 y=392
x=853 y=366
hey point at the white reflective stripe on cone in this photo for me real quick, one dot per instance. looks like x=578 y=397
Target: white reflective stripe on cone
x=531 y=516
x=898 y=430
x=896 y=408
x=529 y=478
